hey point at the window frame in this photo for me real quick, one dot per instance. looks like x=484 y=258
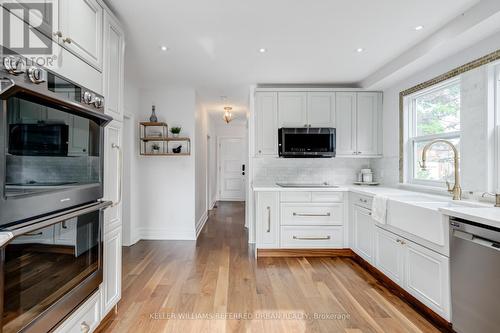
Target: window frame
x=411 y=137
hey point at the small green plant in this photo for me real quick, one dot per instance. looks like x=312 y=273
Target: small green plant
x=175 y=130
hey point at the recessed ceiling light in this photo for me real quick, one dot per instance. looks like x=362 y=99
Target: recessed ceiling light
x=360 y=49
x=262 y=50
x=419 y=27
x=164 y=48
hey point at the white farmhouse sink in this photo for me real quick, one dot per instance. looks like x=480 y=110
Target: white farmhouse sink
x=419 y=215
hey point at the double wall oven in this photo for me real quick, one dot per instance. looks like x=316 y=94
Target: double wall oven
x=51 y=188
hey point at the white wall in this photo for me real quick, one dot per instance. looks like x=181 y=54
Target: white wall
x=201 y=200
x=166 y=185
x=387 y=169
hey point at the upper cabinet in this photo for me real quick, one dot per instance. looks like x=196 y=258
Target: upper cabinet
x=321 y=109
x=113 y=67
x=292 y=109
x=358 y=118
x=266 y=123
x=80 y=30
x=306 y=109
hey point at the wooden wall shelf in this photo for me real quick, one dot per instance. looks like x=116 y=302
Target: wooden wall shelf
x=162 y=140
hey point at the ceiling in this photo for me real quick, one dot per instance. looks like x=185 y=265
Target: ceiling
x=213 y=45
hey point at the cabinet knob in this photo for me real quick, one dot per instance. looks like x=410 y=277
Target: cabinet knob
x=58 y=34
x=67 y=40
x=84 y=327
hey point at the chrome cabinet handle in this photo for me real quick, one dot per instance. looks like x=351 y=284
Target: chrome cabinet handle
x=400 y=241
x=58 y=34
x=84 y=327
x=311 y=215
x=312 y=238
x=268 y=219
x=33 y=233
x=67 y=40
x=120 y=180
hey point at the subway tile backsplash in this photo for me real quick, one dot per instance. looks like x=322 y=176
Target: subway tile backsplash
x=331 y=170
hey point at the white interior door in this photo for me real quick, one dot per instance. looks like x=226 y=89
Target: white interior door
x=231 y=171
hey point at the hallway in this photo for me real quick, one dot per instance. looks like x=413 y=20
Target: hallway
x=215 y=285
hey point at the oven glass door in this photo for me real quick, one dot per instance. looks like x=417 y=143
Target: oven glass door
x=42 y=266
x=48 y=148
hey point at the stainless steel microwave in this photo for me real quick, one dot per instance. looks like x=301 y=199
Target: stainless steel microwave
x=306 y=142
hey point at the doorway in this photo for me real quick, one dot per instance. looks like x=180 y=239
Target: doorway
x=231 y=165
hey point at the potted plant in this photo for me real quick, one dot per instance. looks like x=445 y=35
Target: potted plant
x=155 y=148
x=175 y=131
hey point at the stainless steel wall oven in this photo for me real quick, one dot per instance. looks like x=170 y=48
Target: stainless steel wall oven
x=51 y=142
x=49 y=266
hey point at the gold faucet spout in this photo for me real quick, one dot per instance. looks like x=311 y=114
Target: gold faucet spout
x=456 y=190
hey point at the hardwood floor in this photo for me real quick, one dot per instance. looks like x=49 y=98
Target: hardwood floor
x=218 y=276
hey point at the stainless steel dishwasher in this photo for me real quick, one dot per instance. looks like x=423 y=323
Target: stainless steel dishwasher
x=475 y=277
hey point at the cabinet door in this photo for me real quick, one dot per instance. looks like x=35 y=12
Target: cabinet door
x=266 y=123
x=292 y=109
x=321 y=109
x=363 y=229
x=113 y=67
x=267 y=220
x=368 y=120
x=427 y=278
x=113 y=174
x=389 y=254
x=345 y=110
x=81 y=28
x=112 y=274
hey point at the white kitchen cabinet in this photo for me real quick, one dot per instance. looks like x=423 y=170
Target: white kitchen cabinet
x=312 y=237
x=113 y=67
x=113 y=174
x=345 y=123
x=427 y=277
x=363 y=232
x=267 y=220
x=321 y=109
x=358 y=123
x=266 y=123
x=81 y=27
x=85 y=319
x=368 y=119
x=112 y=273
x=389 y=255
x=292 y=109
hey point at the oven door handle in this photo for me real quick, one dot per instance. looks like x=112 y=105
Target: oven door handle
x=9 y=233
x=120 y=175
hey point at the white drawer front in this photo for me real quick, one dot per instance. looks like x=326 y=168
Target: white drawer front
x=85 y=319
x=312 y=214
x=362 y=200
x=327 y=197
x=295 y=196
x=296 y=237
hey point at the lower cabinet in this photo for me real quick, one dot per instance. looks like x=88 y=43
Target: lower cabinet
x=310 y=237
x=267 y=220
x=363 y=232
x=86 y=319
x=420 y=271
x=111 y=287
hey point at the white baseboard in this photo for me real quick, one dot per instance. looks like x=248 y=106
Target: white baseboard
x=165 y=234
x=201 y=223
x=212 y=205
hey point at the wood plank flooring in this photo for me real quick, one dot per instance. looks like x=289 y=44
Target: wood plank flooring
x=216 y=285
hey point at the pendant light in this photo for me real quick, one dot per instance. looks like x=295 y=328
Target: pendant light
x=227 y=114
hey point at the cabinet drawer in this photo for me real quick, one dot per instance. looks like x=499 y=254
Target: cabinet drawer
x=85 y=319
x=327 y=197
x=295 y=196
x=362 y=200
x=312 y=214
x=296 y=237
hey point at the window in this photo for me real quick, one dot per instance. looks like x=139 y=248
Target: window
x=433 y=113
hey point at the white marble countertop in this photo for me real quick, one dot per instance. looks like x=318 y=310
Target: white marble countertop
x=486 y=215
x=489 y=216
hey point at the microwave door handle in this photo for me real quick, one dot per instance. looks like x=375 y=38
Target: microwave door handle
x=120 y=176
